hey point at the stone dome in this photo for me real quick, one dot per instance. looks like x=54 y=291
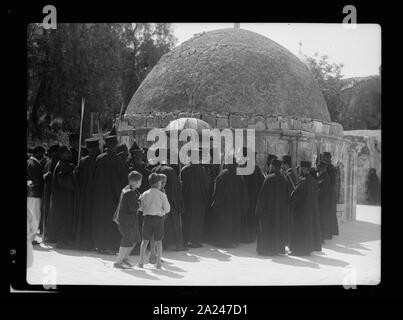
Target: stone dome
x=233 y=71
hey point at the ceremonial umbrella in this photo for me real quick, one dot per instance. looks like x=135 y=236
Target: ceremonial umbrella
x=187 y=123
x=181 y=124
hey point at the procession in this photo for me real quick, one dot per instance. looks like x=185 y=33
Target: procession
x=282 y=211
x=127 y=183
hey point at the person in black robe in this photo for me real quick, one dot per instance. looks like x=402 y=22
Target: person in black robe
x=230 y=200
x=254 y=182
x=302 y=208
x=74 y=145
x=373 y=187
x=316 y=221
x=60 y=227
x=291 y=180
x=325 y=208
x=212 y=171
x=110 y=178
x=270 y=157
x=173 y=235
x=195 y=188
x=270 y=211
x=331 y=170
x=85 y=177
x=48 y=170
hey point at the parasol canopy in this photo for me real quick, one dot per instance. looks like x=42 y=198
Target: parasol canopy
x=187 y=123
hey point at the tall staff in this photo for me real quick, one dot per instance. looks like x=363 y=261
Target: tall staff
x=81 y=130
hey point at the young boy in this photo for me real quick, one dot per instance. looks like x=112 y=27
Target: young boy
x=153 y=251
x=154 y=205
x=126 y=218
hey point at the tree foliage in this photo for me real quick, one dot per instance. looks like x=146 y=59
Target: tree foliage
x=329 y=78
x=102 y=63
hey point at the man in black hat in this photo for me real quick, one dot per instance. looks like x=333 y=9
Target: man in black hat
x=271 y=212
x=60 y=226
x=292 y=180
x=85 y=176
x=173 y=234
x=254 y=182
x=229 y=201
x=332 y=171
x=123 y=152
x=195 y=188
x=48 y=170
x=35 y=188
x=270 y=157
x=302 y=209
x=110 y=178
x=74 y=145
x=324 y=198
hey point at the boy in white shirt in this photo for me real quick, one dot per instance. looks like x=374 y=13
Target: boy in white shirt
x=154 y=205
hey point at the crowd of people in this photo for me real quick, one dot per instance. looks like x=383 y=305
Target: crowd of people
x=117 y=202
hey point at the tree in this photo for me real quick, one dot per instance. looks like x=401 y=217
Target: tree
x=329 y=78
x=103 y=63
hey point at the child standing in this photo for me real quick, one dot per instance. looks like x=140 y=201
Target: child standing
x=126 y=219
x=154 y=205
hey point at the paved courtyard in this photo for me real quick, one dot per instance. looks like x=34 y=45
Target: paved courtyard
x=354 y=254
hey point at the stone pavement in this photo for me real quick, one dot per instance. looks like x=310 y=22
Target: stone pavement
x=353 y=255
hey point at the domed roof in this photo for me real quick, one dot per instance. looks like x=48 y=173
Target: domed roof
x=230 y=70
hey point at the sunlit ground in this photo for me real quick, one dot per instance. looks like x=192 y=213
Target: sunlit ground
x=351 y=258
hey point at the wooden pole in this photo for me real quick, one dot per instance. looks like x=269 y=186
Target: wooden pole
x=81 y=130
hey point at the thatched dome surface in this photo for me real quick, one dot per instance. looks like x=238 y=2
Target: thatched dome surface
x=230 y=70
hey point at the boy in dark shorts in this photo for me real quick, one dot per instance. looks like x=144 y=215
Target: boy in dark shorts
x=126 y=219
x=154 y=205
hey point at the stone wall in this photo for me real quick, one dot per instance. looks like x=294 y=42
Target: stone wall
x=367 y=147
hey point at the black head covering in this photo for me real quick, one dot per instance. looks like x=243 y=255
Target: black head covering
x=270 y=157
x=305 y=164
x=113 y=131
x=135 y=147
x=74 y=137
x=53 y=149
x=276 y=163
x=38 y=149
x=322 y=164
x=63 y=149
x=92 y=143
x=287 y=160
x=111 y=140
x=121 y=148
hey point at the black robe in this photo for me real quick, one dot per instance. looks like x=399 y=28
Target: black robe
x=48 y=170
x=230 y=200
x=60 y=220
x=110 y=178
x=85 y=176
x=316 y=226
x=373 y=188
x=302 y=208
x=271 y=210
x=292 y=181
x=333 y=199
x=173 y=221
x=325 y=205
x=212 y=172
x=253 y=182
x=195 y=190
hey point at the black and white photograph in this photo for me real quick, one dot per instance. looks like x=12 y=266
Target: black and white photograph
x=203 y=153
